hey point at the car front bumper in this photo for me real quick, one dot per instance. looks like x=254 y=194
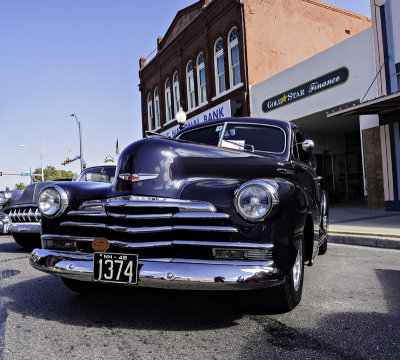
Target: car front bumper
x=24 y=228
x=167 y=273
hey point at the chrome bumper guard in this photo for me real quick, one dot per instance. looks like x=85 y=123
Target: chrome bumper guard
x=168 y=273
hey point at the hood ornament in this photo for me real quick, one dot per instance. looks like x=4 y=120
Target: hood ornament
x=137 y=177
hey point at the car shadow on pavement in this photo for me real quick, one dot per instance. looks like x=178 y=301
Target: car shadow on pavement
x=47 y=297
x=340 y=335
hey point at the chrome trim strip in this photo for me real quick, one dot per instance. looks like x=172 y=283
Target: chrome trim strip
x=201 y=215
x=205 y=228
x=140 y=230
x=147 y=229
x=224 y=244
x=67 y=237
x=99 y=213
x=140 y=216
x=161 y=204
x=163 y=243
x=82 y=224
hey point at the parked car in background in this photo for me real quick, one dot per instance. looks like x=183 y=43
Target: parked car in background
x=6 y=197
x=20 y=215
x=227 y=204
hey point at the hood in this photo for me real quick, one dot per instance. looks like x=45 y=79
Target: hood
x=176 y=164
x=30 y=193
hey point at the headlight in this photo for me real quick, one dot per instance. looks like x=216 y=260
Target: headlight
x=255 y=200
x=3 y=198
x=52 y=201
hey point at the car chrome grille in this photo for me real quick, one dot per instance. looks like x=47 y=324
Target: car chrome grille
x=153 y=228
x=26 y=214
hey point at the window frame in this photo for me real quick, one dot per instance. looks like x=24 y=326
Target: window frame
x=190 y=87
x=168 y=103
x=157 y=112
x=201 y=87
x=217 y=55
x=150 y=112
x=176 y=92
x=232 y=44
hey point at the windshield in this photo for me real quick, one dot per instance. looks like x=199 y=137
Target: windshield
x=248 y=137
x=98 y=174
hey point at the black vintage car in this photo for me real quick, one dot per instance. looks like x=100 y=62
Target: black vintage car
x=228 y=204
x=19 y=214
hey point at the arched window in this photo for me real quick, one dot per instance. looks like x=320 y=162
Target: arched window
x=150 y=112
x=175 y=89
x=233 y=57
x=201 y=79
x=190 y=85
x=157 y=108
x=168 y=104
x=219 y=66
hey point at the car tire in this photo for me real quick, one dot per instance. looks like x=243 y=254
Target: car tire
x=286 y=296
x=323 y=248
x=27 y=241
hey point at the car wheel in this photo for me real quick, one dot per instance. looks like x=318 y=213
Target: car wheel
x=27 y=241
x=286 y=296
x=323 y=248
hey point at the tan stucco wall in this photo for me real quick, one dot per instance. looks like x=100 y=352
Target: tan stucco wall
x=282 y=33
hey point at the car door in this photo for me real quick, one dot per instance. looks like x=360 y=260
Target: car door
x=307 y=178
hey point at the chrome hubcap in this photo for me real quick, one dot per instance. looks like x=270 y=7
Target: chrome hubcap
x=297 y=267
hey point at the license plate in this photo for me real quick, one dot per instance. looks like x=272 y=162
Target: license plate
x=115 y=268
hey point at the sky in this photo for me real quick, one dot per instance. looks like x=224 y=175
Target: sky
x=63 y=57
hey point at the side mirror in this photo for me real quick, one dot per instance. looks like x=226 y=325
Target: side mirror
x=307 y=145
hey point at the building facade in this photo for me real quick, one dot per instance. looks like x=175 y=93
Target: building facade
x=215 y=50
x=381 y=136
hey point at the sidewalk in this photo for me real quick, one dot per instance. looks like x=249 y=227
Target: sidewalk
x=354 y=224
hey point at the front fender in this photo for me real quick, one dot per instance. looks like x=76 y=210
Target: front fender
x=284 y=229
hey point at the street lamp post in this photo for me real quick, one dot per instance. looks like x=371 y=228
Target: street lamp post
x=80 y=141
x=41 y=159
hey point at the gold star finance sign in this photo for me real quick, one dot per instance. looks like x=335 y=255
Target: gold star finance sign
x=312 y=87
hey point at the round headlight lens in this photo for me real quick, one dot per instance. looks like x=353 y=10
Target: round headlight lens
x=3 y=198
x=255 y=200
x=52 y=201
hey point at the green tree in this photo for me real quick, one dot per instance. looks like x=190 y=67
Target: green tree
x=20 y=186
x=51 y=173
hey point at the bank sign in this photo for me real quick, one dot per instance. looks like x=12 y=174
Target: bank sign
x=312 y=87
x=217 y=112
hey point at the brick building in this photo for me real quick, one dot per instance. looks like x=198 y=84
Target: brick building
x=215 y=50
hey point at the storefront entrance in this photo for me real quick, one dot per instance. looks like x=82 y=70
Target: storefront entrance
x=342 y=172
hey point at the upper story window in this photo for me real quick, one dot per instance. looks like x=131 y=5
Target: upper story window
x=201 y=79
x=190 y=85
x=219 y=66
x=175 y=89
x=168 y=104
x=233 y=57
x=150 y=116
x=157 y=108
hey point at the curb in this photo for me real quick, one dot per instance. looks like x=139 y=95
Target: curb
x=364 y=240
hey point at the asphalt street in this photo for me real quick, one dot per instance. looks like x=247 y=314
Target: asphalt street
x=350 y=310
